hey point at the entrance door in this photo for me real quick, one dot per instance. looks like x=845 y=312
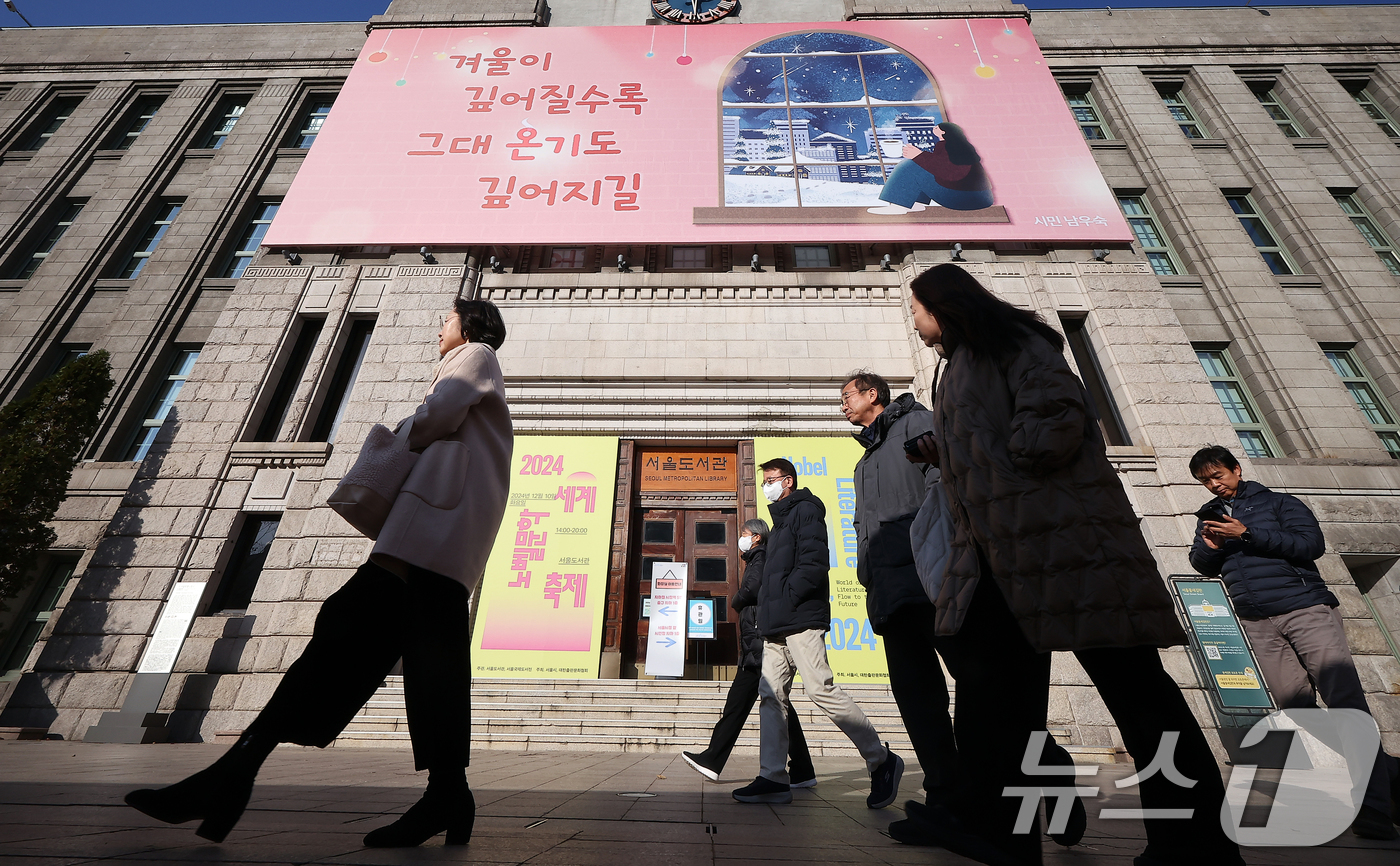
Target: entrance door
x=706 y=541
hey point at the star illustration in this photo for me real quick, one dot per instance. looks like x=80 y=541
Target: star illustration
x=850 y=126
x=749 y=91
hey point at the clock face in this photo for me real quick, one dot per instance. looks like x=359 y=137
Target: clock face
x=693 y=11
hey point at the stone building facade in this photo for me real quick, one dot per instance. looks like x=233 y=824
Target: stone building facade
x=1256 y=155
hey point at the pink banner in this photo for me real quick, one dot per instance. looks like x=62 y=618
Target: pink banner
x=947 y=130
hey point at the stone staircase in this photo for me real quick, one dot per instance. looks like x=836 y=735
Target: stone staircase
x=632 y=716
x=615 y=715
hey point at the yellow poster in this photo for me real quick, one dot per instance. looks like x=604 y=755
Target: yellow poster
x=826 y=466
x=542 y=598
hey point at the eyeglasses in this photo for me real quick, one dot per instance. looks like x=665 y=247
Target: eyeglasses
x=775 y=479
x=847 y=395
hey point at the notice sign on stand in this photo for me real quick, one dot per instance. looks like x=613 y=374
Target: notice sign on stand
x=1220 y=644
x=701 y=624
x=666 y=640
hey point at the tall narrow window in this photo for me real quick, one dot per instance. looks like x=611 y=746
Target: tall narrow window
x=245 y=565
x=68 y=353
x=26 y=267
x=1110 y=422
x=54 y=115
x=150 y=240
x=1286 y=124
x=346 y=372
x=137 y=119
x=1375 y=112
x=1181 y=112
x=1236 y=401
x=251 y=239
x=311 y=122
x=161 y=403
x=1086 y=113
x=1379 y=241
x=225 y=119
x=1149 y=234
x=37 y=613
x=1367 y=396
x=1261 y=234
x=286 y=389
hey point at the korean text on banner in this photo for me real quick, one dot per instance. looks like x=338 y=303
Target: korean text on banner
x=826 y=466
x=666 y=627
x=752 y=134
x=542 y=598
x=1221 y=644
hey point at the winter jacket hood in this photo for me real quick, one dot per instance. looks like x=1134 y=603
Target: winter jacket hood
x=1275 y=572
x=795 y=593
x=1029 y=484
x=889 y=492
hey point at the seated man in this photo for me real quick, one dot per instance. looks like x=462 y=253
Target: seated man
x=1264 y=546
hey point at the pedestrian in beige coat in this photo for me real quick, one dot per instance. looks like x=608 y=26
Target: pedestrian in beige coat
x=409 y=601
x=1047 y=555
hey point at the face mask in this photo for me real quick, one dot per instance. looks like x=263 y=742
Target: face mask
x=773 y=491
x=745 y=543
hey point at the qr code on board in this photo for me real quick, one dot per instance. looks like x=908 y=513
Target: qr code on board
x=1213 y=652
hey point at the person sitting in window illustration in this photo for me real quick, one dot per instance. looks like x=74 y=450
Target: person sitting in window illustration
x=949 y=174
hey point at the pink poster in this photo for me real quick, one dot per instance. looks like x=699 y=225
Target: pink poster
x=946 y=130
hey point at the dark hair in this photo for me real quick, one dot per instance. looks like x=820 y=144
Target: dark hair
x=782 y=465
x=960 y=150
x=865 y=380
x=971 y=316
x=1212 y=455
x=481 y=322
x=758 y=527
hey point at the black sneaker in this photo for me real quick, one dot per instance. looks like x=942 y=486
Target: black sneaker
x=884 y=781
x=803 y=779
x=910 y=832
x=697 y=761
x=1372 y=823
x=762 y=790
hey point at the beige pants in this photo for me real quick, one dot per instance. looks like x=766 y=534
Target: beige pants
x=805 y=653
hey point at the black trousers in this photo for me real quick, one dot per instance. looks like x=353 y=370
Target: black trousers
x=737 y=706
x=921 y=693
x=362 y=630
x=1003 y=687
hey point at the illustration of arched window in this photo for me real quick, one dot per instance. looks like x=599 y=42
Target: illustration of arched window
x=818 y=119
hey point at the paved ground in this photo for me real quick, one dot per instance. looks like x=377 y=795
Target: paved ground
x=60 y=804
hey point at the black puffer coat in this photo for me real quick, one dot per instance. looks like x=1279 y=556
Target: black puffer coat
x=1029 y=483
x=745 y=601
x=1274 y=572
x=889 y=493
x=796 y=591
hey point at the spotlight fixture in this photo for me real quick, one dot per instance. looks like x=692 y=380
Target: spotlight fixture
x=497 y=266
x=957 y=253
x=1101 y=255
x=885 y=263
x=753 y=264
x=427 y=255
x=291 y=257
x=622 y=264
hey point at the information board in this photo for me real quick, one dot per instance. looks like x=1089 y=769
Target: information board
x=542 y=597
x=666 y=637
x=1220 y=644
x=826 y=465
x=700 y=624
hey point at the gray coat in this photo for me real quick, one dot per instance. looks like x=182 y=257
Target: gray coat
x=1030 y=485
x=889 y=491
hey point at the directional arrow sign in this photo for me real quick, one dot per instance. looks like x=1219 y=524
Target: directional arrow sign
x=666 y=639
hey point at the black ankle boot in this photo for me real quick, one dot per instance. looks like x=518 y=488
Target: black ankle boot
x=217 y=794
x=449 y=807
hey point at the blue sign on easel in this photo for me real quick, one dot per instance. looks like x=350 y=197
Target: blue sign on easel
x=700 y=621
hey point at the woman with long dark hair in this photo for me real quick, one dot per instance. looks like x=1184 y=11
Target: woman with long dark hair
x=1046 y=556
x=949 y=174
x=409 y=601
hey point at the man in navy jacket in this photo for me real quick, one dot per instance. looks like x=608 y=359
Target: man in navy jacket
x=1264 y=545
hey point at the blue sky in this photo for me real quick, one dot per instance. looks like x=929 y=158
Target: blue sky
x=97 y=12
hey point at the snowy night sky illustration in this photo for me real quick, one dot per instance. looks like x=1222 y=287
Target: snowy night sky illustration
x=819 y=119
